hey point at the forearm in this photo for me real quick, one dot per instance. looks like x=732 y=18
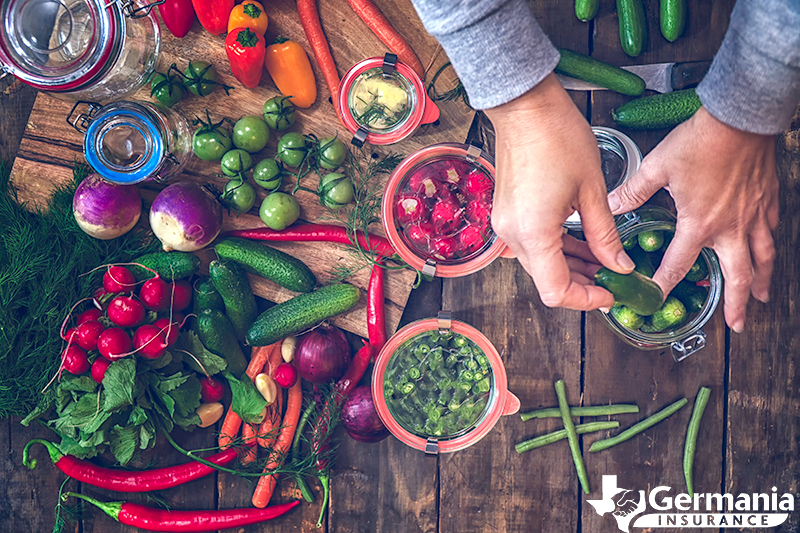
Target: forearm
x=754 y=82
x=496 y=47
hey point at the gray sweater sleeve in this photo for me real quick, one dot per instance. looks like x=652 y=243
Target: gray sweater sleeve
x=496 y=46
x=754 y=82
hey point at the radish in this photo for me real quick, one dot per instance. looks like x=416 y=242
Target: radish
x=71 y=335
x=478 y=185
x=88 y=333
x=211 y=390
x=420 y=234
x=118 y=279
x=75 y=360
x=453 y=170
x=181 y=294
x=185 y=217
x=155 y=294
x=470 y=239
x=149 y=341
x=409 y=209
x=126 y=311
x=90 y=314
x=105 y=210
x=444 y=247
x=285 y=375
x=425 y=182
x=446 y=217
x=479 y=212
x=99 y=369
x=170 y=331
x=114 y=343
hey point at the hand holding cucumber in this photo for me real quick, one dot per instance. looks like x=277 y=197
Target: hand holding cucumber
x=725 y=188
x=540 y=182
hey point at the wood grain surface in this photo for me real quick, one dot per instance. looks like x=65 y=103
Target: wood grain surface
x=50 y=145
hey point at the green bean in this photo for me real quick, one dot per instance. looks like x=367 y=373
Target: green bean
x=561 y=434
x=572 y=436
x=691 y=436
x=592 y=410
x=413 y=373
x=638 y=427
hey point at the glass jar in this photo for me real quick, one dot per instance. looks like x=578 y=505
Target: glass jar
x=91 y=50
x=620 y=159
x=395 y=381
x=131 y=141
x=436 y=209
x=382 y=101
x=688 y=337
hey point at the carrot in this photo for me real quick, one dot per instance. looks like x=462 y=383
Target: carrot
x=249 y=454
x=266 y=484
x=233 y=422
x=309 y=18
x=266 y=434
x=383 y=29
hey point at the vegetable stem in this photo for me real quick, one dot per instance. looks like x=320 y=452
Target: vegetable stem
x=592 y=410
x=561 y=434
x=572 y=435
x=638 y=427
x=700 y=403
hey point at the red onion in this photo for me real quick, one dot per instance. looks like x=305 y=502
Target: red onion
x=105 y=210
x=360 y=418
x=185 y=217
x=322 y=354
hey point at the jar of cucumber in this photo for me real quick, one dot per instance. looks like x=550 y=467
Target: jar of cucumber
x=439 y=385
x=677 y=323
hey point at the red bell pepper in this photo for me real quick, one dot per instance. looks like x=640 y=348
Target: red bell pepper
x=177 y=15
x=246 y=50
x=213 y=14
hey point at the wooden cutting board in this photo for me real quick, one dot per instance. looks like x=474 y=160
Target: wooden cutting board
x=51 y=146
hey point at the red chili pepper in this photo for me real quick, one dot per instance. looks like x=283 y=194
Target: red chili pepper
x=246 y=50
x=213 y=14
x=318 y=233
x=704 y=283
x=356 y=370
x=178 y=16
x=126 y=480
x=151 y=519
x=376 y=312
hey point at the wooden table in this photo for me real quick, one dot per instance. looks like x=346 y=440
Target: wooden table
x=748 y=442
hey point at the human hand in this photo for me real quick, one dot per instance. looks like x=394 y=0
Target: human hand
x=725 y=188
x=548 y=166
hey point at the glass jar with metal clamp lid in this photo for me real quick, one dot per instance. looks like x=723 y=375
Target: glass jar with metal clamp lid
x=382 y=101
x=131 y=141
x=91 y=50
x=436 y=210
x=439 y=385
x=678 y=325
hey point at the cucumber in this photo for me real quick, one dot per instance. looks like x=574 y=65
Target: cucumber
x=262 y=260
x=240 y=305
x=642 y=262
x=651 y=240
x=698 y=271
x=690 y=295
x=673 y=19
x=301 y=312
x=600 y=73
x=669 y=316
x=629 y=243
x=169 y=265
x=632 y=26
x=658 y=111
x=218 y=336
x=586 y=10
x=628 y=318
x=638 y=292
x=206 y=296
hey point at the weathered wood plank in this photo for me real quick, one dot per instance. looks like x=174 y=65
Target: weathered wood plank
x=764 y=392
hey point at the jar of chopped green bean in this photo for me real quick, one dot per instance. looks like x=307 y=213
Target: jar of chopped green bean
x=440 y=386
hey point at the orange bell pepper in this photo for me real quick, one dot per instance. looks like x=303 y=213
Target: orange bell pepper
x=249 y=14
x=245 y=49
x=288 y=64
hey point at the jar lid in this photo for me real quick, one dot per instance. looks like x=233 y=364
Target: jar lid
x=436 y=209
x=123 y=143
x=489 y=403
x=382 y=101
x=59 y=45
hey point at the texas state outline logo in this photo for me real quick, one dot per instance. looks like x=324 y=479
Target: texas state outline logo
x=700 y=510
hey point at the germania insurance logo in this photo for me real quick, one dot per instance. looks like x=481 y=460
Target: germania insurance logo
x=683 y=511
